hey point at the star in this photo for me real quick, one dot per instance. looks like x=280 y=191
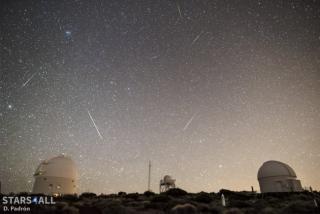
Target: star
x=67 y=33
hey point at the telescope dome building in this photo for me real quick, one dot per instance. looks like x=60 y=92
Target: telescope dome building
x=167 y=183
x=56 y=176
x=275 y=176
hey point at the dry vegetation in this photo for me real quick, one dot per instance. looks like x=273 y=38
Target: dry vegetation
x=179 y=201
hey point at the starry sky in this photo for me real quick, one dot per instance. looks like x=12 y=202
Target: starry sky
x=206 y=90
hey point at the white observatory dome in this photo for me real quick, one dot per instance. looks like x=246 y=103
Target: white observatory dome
x=275 y=176
x=275 y=168
x=56 y=176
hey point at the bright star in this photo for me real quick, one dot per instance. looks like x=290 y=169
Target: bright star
x=68 y=33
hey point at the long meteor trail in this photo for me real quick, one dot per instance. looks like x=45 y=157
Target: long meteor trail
x=95 y=126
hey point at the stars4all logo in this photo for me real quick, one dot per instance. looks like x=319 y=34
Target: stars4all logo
x=42 y=200
x=34 y=200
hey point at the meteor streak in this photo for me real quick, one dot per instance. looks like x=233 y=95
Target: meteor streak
x=95 y=126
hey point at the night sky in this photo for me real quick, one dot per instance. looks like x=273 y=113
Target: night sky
x=206 y=90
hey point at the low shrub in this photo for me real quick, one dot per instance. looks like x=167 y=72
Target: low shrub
x=239 y=204
x=89 y=209
x=203 y=197
x=122 y=193
x=88 y=195
x=133 y=196
x=268 y=210
x=260 y=204
x=225 y=191
x=233 y=211
x=69 y=198
x=176 y=192
x=160 y=198
x=300 y=207
x=184 y=208
x=148 y=193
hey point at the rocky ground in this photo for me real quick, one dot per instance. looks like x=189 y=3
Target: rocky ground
x=179 y=201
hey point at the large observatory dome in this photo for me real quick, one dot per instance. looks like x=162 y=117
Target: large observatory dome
x=56 y=176
x=275 y=176
x=60 y=166
x=275 y=168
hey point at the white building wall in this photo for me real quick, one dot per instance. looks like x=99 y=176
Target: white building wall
x=54 y=185
x=279 y=184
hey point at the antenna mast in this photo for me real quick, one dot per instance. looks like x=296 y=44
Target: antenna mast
x=149 y=176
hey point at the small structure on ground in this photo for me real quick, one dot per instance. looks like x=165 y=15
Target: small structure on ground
x=167 y=183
